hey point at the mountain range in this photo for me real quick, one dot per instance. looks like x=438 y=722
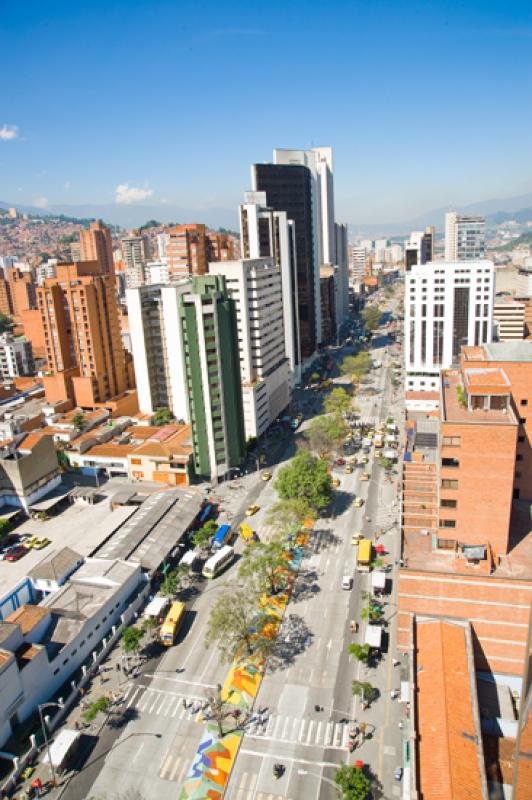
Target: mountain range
x=496 y=210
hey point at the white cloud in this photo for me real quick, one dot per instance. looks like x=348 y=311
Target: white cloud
x=8 y=132
x=67 y=184
x=40 y=202
x=126 y=194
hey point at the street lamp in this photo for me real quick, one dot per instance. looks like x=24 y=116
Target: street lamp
x=45 y=734
x=322 y=778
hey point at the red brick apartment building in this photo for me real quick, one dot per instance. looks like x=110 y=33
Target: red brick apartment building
x=467 y=556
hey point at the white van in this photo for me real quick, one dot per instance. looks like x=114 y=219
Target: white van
x=347 y=582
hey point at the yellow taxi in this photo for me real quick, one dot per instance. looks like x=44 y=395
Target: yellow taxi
x=364 y=476
x=36 y=543
x=252 y=510
x=356 y=537
x=352 y=460
x=335 y=482
x=363 y=460
x=266 y=476
x=358 y=502
x=349 y=469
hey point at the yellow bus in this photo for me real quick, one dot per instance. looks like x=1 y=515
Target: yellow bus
x=364 y=555
x=172 y=623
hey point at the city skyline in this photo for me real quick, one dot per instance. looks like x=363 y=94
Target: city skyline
x=68 y=137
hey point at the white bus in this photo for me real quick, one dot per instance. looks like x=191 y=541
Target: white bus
x=219 y=561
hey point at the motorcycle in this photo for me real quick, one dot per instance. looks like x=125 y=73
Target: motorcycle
x=278 y=770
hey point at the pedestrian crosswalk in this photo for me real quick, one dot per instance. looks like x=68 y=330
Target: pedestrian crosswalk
x=174 y=768
x=276 y=727
x=301 y=730
x=244 y=787
x=160 y=702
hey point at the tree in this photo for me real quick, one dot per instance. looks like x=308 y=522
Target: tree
x=363 y=689
x=386 y=463
x=5 y=527
x=358 y=365
x=305 y=477
x=175 y=580
x=264 y=566
x=337 y=402
x=62 y=458
x=202 y=537
x=6 y=323
x=359 y=651
x=102 y=704
x=286 y=516
x=79 y=420
x=372 y=611
x=238 y=623
x=315 y=377
x=131 y=639
x=353 y=782
x=326 y=433
x=372 y=317
x=161 y=417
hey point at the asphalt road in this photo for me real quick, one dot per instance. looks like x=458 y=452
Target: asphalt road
x=151 y=746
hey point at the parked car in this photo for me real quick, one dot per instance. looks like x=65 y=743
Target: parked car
x=40 y=542
x=252 y=510
x=266 y=476
x=398 y=773
x=16 y=553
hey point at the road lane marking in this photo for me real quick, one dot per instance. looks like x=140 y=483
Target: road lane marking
x=302 y=728
x=318 y=732
x=133 y=696
x=310 y=729
x=284 y=757
x=285 y=727
x=328 y=738
x=278 y=723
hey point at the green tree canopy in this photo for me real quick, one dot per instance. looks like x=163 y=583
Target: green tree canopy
x=131 y=639
x=6 y=323
x=237 y=623
x=79 y=420
x=354 y=784
x=326 y=433
x=363 y=690
x=337 y=402
x=161 y=417
x=359 y=651
x=372 y=317
x=287 y=515
x=264 y=566
x=5 y=527
x=202 y=537
x=305 y=477
x=175 y=580
x=357 y=366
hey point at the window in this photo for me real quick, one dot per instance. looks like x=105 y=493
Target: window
x=451 y=441
x=523 y=402
x=517 y=475
x=56 y=671
x=73 y=653
x=519 y=457
x=450 y=462
x=448 y=484
x=136 y=461
x=445 y=503
x=447 y=523
x=65 y=662
x=522 y=420
x=520 y=438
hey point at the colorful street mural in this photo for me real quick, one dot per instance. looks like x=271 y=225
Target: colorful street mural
x=211 y=768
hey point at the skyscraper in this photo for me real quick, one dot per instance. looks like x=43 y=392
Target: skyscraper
x=447 y=305
x=288 y=188
x=96 y=244
x=420 y=248
x=134 y=256
x=265 y=232
x=255 y=287
x=186 y=251
x=157 y=346
x=464 y=237
x=212 y=376
x=79 y=314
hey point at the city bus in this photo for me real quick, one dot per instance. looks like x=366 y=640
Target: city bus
x=223 y=535
x=364 y=555
x=218 y=562
x=172 y=623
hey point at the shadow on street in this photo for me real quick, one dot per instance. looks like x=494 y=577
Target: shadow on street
x=295 y=638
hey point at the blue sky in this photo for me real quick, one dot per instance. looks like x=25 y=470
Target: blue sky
x=425 y=102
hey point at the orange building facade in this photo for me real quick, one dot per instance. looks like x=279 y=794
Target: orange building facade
x=96 y=244
x=84 y=350
x=186 y=251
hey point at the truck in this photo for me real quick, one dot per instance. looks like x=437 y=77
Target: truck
x=364 y=555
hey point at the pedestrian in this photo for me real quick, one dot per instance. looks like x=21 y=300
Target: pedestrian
x=117 y=666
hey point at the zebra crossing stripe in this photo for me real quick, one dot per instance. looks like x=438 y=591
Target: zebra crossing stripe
x=133 y=696
x=301 y=729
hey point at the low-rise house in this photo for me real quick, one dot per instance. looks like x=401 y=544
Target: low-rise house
x=52 y=572
x=28 y=470
x=41 y=646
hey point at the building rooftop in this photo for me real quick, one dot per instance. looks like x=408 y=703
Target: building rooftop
x=55 y=564
x=486 y=379
x=500 y=351
x=28 y=617
x=449 y=741
x=452 y=410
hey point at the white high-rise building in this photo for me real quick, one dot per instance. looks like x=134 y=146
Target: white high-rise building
x=358 y=264
x=156 y=272
x=162 y=243
x=157 y=347
x=134 y=256
x=464 y=237
x=448 y=304
x=265 y=232
x=255 y=286
x=16 y=356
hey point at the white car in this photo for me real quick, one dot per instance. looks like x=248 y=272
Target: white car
x=347 y=582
